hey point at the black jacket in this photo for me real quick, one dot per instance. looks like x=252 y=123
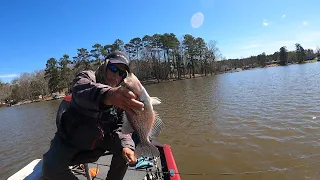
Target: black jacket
x=85 y=121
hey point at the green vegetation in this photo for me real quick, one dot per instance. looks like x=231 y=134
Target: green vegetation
x=157 y=57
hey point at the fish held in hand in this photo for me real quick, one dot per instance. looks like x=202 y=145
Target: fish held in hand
x=145 y=122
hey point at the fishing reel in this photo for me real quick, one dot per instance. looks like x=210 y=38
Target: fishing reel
x=151 y=166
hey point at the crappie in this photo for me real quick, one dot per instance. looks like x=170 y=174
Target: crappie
x=147 y=124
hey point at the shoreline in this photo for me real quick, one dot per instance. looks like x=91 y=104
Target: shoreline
x=144 y=83
x=155 y=81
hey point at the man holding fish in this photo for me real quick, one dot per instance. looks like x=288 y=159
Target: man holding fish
x=106 y=107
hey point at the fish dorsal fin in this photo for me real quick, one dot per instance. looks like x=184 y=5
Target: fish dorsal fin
x=126 y=126
x=157 y=127
x=155 y=101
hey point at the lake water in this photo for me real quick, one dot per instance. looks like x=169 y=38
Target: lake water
x=254 y=124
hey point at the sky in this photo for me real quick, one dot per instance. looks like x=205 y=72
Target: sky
x=33 y=31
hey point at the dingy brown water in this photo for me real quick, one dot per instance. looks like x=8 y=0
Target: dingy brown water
x=256 y=120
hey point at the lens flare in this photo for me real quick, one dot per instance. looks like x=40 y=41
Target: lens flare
x=197 y=20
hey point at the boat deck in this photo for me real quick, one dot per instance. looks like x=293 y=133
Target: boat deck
x=33 y=171
x=132 y=174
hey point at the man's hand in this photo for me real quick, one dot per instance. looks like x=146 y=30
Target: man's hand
x=122 y=98
x=128 y=155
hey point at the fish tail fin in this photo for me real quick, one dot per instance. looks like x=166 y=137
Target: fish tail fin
x=157 y=126
x=146 y=150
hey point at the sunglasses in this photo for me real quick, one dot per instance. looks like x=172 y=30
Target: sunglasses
x=115 y=69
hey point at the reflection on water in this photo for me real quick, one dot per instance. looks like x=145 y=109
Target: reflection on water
x=249 y=121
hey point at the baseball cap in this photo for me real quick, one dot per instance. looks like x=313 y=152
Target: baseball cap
x=118 y=57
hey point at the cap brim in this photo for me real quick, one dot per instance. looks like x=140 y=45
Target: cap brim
x=116 y=61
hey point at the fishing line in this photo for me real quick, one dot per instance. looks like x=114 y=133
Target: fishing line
x=243 y=137
x=303 y=157
x=216 y=174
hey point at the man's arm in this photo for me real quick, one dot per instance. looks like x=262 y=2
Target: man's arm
x=127 y=143
x=91 y=95
x=87 y=93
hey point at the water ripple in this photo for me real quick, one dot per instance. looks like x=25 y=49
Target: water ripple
x=262 y=119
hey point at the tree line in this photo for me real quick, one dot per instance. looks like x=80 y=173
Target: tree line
x=158 y=56
x=281 y=57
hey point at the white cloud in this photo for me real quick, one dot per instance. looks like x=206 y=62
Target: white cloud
x=249 y=46
x=8 y=76
x=265 y=23
x=305 y=23
x=309 y=39
x=283 y=16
